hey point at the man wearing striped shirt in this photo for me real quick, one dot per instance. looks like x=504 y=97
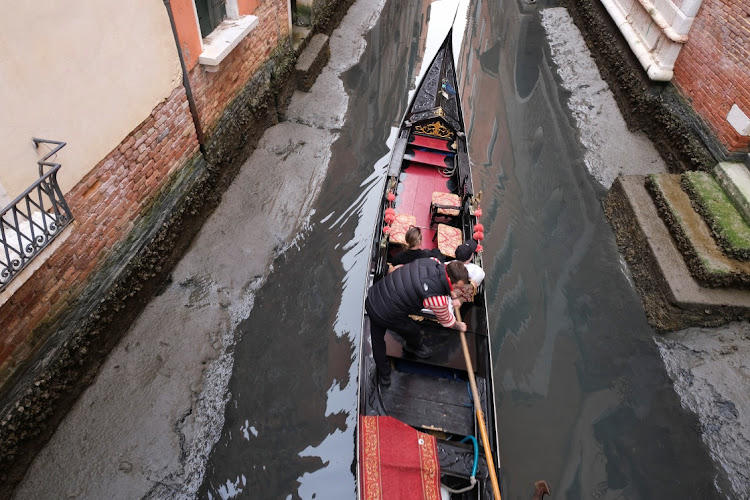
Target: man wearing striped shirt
x=423 y=283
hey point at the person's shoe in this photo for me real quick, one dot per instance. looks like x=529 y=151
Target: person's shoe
x=384 y=380
x=422 y=351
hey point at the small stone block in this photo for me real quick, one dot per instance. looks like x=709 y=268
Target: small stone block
x=735 y=180
x=739 y=120
x=311 y=61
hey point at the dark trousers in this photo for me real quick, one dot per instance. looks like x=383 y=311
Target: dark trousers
x=406 y=327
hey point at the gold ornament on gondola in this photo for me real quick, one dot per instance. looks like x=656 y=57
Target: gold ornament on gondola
x=435 y=128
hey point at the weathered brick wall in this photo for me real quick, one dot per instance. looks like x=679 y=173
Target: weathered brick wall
x=104 y=204
x=212 y=91
x=712 y=70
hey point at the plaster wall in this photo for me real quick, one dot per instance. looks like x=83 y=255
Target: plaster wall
x=87 y=73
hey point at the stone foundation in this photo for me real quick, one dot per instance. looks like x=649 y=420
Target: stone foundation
x=665 y=313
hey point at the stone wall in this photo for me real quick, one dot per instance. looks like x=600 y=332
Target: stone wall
x=712 y=70
x=64 y=319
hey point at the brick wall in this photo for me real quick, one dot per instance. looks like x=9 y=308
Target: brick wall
x=104 y=204
x=213 y=91
x=712 y=70
x=108 y=200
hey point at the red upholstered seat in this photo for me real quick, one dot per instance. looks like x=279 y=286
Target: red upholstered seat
x=467 y=292
x=399 y=226
x=442 y=200
x=448 y=238
x=441 y=208
x=430 y=142
x=433 y=158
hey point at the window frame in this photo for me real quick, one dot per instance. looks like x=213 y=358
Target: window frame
x=225 y=36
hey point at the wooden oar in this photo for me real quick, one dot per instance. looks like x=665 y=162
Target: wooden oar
x=480 y=414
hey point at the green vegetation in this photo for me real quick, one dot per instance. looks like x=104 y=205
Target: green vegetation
x=705 y=269
x=727 y=224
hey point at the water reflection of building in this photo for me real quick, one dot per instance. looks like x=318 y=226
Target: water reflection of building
x=562 y=315
x=503 y=83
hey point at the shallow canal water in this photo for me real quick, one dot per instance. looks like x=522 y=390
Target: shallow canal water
x=583 y=397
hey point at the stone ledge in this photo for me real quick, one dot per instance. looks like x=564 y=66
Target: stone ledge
x=734 y=178
x=311 y=61
x=705 y=260
x=223 y=39
x=671 y=296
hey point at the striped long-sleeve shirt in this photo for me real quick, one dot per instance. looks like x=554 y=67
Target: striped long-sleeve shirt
x=439 y=305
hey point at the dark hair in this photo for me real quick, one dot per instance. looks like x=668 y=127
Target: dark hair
x=413 y=237
x=457 y=271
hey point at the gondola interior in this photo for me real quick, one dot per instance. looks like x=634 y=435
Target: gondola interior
x=429 y=186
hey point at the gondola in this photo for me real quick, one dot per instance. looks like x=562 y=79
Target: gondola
x=422 y=433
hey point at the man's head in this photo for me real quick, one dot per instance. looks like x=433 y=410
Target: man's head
x=457 y=272
x=466 y=251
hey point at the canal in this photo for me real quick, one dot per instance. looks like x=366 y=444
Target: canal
x=583 y=397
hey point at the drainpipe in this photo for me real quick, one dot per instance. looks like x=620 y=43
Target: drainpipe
x=186 y=81
x=645 y=57
x=675 y=31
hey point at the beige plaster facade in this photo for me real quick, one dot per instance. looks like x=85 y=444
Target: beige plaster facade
x=86 y=73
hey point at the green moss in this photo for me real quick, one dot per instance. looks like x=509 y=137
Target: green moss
x=712 y=270
x=719 y=211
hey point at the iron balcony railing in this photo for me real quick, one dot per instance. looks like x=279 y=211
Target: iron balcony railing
x=33 y=219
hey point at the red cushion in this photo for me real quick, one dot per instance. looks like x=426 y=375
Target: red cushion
x=449 y=238
x=399 y=226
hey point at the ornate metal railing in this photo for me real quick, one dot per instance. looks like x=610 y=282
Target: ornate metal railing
x=33 y=219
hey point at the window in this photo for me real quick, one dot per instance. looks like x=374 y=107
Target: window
x=208 y=30
x=210 y=14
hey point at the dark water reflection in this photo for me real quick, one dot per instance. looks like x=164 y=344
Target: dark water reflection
x=583 y=397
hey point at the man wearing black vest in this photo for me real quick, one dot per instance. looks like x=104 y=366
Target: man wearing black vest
x=423 y=283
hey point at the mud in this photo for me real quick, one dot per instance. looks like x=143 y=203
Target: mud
x=711 y=373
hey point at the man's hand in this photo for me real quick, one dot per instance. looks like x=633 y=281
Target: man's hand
x=460 y=326
x=456 y=302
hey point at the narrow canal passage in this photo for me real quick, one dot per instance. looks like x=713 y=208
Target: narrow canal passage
x=584 y=400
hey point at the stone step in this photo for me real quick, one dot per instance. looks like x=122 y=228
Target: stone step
x=672 y=297
x=704 y=258
x=734 y=178
x=730 y=230
x=311 y=61
x=300 y=34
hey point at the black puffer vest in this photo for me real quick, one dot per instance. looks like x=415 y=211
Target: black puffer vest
x=402 y=292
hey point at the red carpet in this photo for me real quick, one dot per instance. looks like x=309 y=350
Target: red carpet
x=419 y=182
x=396 y=461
